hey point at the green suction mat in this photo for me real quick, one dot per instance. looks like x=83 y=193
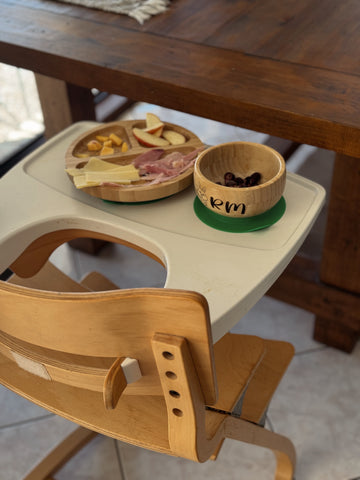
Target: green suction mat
x=239 y=225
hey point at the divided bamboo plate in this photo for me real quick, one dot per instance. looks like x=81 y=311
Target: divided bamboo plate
x=78 y=155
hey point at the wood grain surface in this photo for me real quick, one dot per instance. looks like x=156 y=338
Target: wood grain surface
x=287 y=70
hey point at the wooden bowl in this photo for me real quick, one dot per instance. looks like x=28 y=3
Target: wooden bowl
x=242 y=159
x=78 y=155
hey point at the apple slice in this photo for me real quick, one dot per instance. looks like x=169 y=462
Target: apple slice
x=174 y=138
x=155 y=129
x=152 y=119
x=148 y=139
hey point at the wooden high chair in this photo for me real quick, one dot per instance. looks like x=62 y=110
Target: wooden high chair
x=138 y=365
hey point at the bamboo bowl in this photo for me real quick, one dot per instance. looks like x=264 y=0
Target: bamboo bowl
x=242 y=159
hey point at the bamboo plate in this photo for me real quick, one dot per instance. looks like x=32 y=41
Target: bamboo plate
x=77 y=155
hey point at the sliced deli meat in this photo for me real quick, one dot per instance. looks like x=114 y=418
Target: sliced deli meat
x=147 y=157
x=169 y=166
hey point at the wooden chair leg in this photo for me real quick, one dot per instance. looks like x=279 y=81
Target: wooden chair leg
x=62 y=453
x=284 y=450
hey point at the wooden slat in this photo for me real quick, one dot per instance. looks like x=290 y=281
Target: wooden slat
x=237 y=357
x=266 y=379
x=49 y=278
x=87 y=408
x=97 y=282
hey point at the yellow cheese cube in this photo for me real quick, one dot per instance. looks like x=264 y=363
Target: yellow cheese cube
x=106 y=151
x=94 y=145
x=117 y=140
x=102 y=138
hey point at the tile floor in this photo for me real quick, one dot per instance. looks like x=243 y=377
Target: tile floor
x=316 y=405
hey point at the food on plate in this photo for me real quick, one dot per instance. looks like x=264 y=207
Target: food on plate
x=94 y=145
x=105 y=144
x=124 y=147
x=157 y=169
x=149 y=168
x=154 y=129
x=151 y=120
x=115 y=139
x=154 y=125
x=101 y=138
x=97 y=172
x=174 y=138
x=106 y=150
x=148 y=139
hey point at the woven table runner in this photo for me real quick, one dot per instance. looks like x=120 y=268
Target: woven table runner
x=141 y=10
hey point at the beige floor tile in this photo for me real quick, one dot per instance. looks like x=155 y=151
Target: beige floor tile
x=236 y=461
x=23 y=446
x=97 y=461
x=16 y=409
x=317 y=406
x=65 y=258
x=125 y=266
x=275 y=320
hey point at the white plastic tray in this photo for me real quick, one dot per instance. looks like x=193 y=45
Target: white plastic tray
x=232 y=270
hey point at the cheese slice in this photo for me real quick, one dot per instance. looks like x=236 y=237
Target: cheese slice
x=98 y=171
x=74 y=172
x=98 y=165
x=113 y=176
x=80 y=182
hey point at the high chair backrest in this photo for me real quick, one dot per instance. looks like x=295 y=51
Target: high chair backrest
x=51 y=333
x=139 y=365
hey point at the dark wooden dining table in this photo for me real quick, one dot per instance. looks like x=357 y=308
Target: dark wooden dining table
x=289 y=69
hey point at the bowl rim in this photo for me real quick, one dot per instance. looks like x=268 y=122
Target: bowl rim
x=280 y=173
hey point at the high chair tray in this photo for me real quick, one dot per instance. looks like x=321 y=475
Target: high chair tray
x=232 y=270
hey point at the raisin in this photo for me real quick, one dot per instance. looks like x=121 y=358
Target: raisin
x=230 y=183
x=256 y=177
x=247 y=182
x=229 y=176
x=237 y=182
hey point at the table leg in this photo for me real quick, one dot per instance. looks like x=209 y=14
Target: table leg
x=340 y=265
x=63 y=104
x=331 y=289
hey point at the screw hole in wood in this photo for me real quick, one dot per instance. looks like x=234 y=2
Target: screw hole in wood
x=174 y=393
x=168 y=355
x=177 y=412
